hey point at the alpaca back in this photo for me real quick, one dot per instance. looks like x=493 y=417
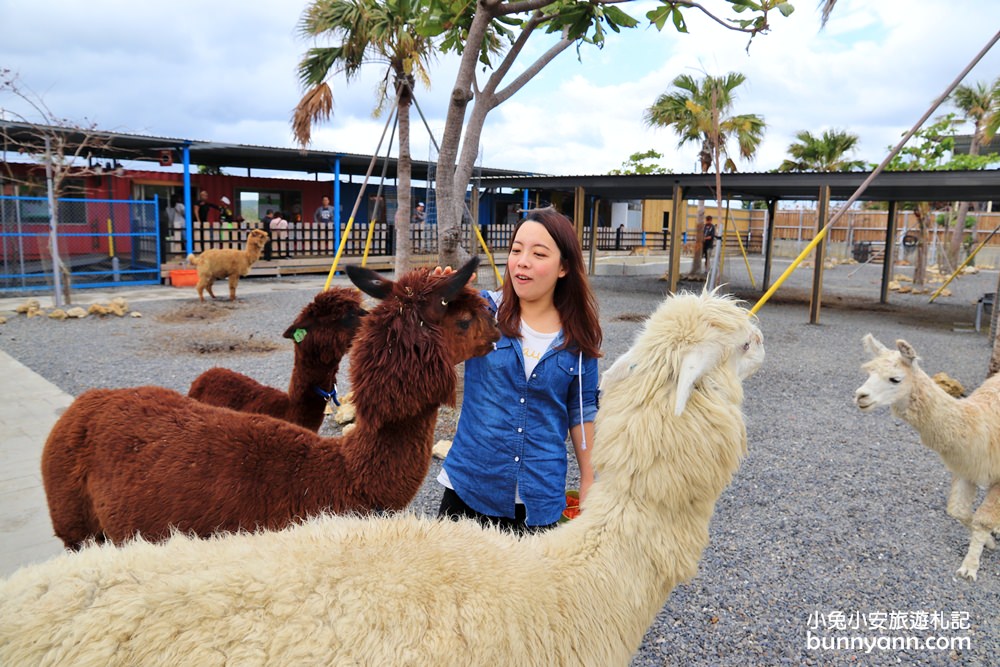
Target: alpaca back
x=213 y=469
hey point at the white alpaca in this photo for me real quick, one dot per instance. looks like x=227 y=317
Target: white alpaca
x=964 y=432
x=403 y=590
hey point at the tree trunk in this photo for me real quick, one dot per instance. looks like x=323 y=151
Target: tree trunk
x=958 y=235
x=920 y=268
x=995 y=330
x=403 y=196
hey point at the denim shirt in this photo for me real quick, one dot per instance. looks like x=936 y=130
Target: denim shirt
x=511 y=434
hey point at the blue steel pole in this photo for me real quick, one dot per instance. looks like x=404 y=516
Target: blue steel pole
x=336 y=202
x=187 y=198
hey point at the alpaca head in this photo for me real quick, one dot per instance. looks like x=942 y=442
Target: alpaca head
x=685 y=340
x=325 y=328
x=408 y=345
x=671 y=427
x=890 y=375
x=256 y=240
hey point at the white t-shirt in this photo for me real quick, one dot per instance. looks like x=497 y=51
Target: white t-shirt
x=533 y=346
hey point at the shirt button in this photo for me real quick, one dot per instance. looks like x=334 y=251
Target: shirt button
x=519 y=430
x=522 y=399
x=534 y=375
x=516 y=459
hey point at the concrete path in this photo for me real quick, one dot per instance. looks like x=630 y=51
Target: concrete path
x=29 y=406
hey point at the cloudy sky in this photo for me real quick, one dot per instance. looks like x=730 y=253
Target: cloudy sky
x=225 y=71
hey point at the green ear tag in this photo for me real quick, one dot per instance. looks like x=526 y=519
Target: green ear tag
x=298 y=335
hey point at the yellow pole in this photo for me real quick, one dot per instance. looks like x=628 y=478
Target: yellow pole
x=784 y=276
x=739 y=239
x=111 y=240
x=962 y=265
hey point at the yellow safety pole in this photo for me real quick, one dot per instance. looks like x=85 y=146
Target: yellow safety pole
x=111 y=239
x=962 y=265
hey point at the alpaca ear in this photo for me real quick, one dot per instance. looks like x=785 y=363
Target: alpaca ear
x=694 y=365
x=872 y=345
x=619 y=370
x=457 y=281
x=907 y=351
x=368 y=281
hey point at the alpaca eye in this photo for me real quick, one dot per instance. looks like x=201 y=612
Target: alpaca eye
x=746 y=346
x=464 y=324
x=895 y=380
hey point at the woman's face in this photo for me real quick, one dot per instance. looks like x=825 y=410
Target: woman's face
x=534 y=263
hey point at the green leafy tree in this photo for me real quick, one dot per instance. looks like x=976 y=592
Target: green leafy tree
x=980 y=104
x=638 y=163
x=700 y=112
x=366 y=32
x=827 y=152
x=491 y=35
x=931 y=149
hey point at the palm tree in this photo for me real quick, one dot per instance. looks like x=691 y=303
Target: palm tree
x=366 y=32
x=697 y=112
x=822 y=153
x=979 y=103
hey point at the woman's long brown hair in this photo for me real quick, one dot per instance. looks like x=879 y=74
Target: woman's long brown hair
x=573 y=297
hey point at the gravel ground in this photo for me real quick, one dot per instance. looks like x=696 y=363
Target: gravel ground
x=832 y=512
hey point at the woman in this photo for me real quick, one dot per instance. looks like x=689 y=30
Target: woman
x=507 y=463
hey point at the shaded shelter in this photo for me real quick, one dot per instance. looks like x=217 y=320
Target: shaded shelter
x=824 y=188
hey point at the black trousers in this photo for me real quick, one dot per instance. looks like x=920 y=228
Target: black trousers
x=455 y=508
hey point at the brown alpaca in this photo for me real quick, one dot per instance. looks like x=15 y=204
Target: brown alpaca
x=149 y=460
x=323 y=333
x=216 y=263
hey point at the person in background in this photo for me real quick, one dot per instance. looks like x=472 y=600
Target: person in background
x=419 y=224
x=225 y=209
x=279 y=235
x=710 y=235
x=324 y=216
x=507 y=463
x=201 y=211
x=265 y=224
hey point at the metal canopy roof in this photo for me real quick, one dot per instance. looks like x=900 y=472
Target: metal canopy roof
x=887 y=186
x=215 y=154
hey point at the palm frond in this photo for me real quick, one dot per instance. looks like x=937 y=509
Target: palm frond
x=315 y=105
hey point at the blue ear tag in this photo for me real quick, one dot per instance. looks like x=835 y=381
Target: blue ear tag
x=298 y=335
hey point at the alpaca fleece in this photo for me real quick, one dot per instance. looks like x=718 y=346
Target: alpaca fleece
x=146 y=460
x=329 y=323
x=402 y=590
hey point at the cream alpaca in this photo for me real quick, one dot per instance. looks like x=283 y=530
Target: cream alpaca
x=964 y=432
x=404 y=590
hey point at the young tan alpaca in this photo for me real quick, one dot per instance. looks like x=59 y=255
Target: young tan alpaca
x=964 y=432
x=216 y=263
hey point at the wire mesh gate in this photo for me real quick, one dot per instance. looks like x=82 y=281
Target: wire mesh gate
x=100 y=242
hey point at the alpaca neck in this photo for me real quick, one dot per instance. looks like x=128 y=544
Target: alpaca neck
x=392 y=457
x=937 y=416
x=648 y=518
